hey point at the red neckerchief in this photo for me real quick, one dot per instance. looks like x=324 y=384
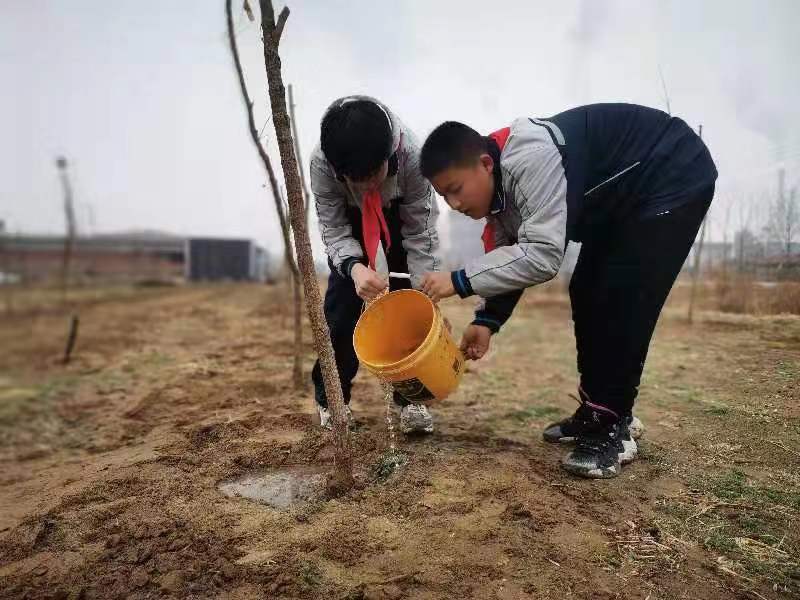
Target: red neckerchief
x=373 y=222
x=501 y=137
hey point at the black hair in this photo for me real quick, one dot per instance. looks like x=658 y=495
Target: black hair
x=450 y=144
x=356 y=138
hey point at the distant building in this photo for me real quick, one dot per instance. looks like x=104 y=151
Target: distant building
x=134 y=256
x=713 y=256
x=211 y=259
x=775 y=249
x=777 y=268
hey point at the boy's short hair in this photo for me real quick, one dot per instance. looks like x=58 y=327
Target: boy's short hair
x=450 y=144
x=356 y=138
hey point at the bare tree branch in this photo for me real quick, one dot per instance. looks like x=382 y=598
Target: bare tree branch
x=783 y=222
x=256 y=141
x=277 y=197
x=248 y=10
x=276 y=35
x=266 y=121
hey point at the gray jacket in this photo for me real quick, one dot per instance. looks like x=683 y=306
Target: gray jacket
x=531 y=220
x=418 y=210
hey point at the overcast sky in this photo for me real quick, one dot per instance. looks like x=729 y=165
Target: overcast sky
x=142 y=98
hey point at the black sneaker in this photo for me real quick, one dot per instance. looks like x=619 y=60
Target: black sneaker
x=566 y=430
x=598 y=448
x=596 y=453
x=626 y=439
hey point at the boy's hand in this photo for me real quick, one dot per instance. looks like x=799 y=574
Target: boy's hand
x=368 y=283
x=475 y=341
x=437 y=285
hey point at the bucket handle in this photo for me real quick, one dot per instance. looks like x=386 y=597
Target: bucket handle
x=393 y=275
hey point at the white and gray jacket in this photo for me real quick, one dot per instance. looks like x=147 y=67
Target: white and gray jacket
x=570 y=177
x=417 y=206
x=529 y=216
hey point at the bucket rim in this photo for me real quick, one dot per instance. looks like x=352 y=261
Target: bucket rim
x=390 y=368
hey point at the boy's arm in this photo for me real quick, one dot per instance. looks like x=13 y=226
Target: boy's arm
x=493 y=312
x=342 y=248
x=539 y=189
x=418 y=214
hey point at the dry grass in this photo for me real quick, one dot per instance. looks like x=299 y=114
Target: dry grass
x=786 y=299
x=744 y=523
x=727 y=292
x=644 y=548
x=736 y=293
x=30 y=300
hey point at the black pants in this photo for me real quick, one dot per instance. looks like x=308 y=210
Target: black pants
x=343 y=306
x=619 y=286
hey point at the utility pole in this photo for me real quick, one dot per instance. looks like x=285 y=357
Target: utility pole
x=69 y=217
x=698 y=252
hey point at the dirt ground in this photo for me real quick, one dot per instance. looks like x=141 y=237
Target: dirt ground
x=109 y=466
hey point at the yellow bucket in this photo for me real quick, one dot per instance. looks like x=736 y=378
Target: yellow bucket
x=401 y=337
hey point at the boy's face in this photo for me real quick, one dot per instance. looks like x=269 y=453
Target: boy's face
x=468 y=189
x=371 y=183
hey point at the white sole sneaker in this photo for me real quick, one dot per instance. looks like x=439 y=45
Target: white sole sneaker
x=629 y=452
x=636 y=427
x=415 y=418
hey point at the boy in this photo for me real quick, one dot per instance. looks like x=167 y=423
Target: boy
x=633 y=185
x=369 y=195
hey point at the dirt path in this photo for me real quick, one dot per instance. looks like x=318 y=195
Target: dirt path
x=110 y=466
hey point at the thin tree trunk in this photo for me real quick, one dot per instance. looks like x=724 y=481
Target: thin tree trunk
x=69 y=218
x=725 y=241
x=342 y=478
x=71 y=337
x=279 y=206
x=297 y=305
x=306 y=195
x=791 y=222
x=299 y=380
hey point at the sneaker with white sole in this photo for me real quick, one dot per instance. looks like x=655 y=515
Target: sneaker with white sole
x=602 y=445
x=326 y=417
x=636 y=427
x=415 y=418
x=566 y=430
